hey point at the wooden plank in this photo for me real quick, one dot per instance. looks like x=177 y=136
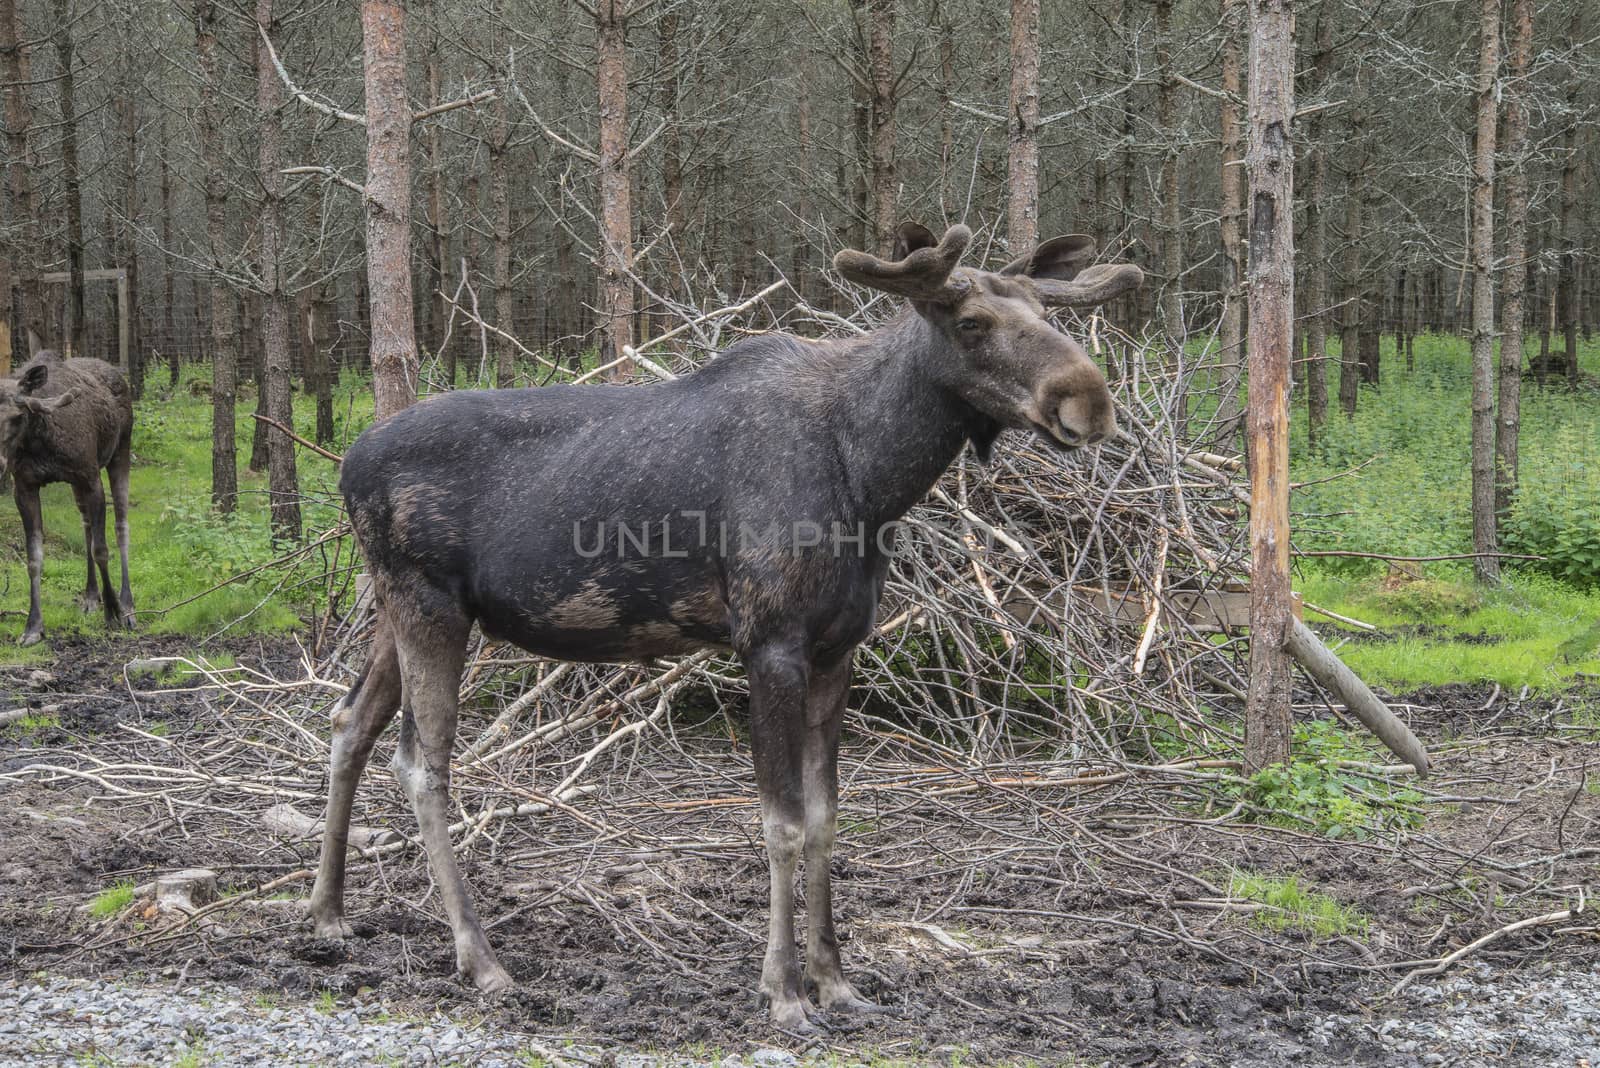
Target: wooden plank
x=1221 y=610
x=99 y=274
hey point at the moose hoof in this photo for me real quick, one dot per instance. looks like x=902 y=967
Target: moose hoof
x=795 y=1016
x=89 y=602
x=31 y=637
x=492 y=981
x=854 y=1004
x=336 y=927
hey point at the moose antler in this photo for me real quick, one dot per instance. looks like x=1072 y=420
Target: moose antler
x=1095 y=285
x=922 y=271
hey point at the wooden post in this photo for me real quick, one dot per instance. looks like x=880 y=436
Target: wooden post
x=122 y=320
x=1269 y=165
x=103 y=274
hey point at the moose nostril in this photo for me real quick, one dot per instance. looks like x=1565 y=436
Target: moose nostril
x=1096 y=438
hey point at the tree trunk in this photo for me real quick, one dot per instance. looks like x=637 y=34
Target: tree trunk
x=1270 y=163
x=881 y=57
x=946 y=92
x=1486 y=568
x=70 y=183
x=15 y=73
x=1355 y=193
x=251 y=331
x=672 y=144
x=224 y=338
x=1316 y=315
x=393 y=333
x=1171 y=234
x=1022 y=130
x=283 y=486
x=127 y=108
x=168 y=326
x=1232 y=223
x=505 y=369
x=1508 y=410
x=437 y=313
x=1569 y=212
x=616 y=210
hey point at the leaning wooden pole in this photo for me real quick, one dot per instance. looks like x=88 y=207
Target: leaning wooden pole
x=1269 y=167
x=1362 y=703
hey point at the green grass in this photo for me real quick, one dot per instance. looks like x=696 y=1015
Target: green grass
x=179 y=548
x=1290 y=905
x=1531 y=631
x=112 y=900
x=325 y=1003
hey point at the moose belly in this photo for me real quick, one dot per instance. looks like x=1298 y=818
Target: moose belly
x=597 y=622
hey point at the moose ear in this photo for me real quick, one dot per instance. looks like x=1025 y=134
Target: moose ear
x=33 y=379
x=909 y=237
x=1060 y=258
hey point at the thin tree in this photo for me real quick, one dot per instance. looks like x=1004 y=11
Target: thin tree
x=1316 y=314
x=1568 y=292
x=1358 y=152
x=1481 y=252
x=1270 y=166
x=24 y=222
x=283 y=487
x=1508 y=409
x=499 y=144
x=71 y=187
x=1022 y=129
x=1232 y=224
x=224 y=341
x=883 y=143
x=616 y=211
x=1170 y=207
x=388 y=193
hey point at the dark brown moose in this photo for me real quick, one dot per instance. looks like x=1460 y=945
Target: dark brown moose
x=63 y=421
x=537 y=514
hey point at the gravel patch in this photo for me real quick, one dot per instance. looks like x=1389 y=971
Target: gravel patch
x=82 y=1022
x=1478 y=1015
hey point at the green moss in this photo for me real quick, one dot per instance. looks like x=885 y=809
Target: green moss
x=112 y=900
x=1287 y=904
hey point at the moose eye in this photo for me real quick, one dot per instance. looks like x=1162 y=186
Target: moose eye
x=968 y=325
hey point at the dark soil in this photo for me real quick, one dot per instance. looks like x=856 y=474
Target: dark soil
x=1051 y=967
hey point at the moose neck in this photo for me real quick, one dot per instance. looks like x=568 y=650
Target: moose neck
x=898 y=426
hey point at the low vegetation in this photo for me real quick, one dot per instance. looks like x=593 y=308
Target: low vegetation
x=1396 y=480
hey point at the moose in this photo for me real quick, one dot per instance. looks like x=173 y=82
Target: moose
x=65 y=421
x=480 y=507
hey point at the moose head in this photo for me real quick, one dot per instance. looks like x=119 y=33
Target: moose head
x=998 y=350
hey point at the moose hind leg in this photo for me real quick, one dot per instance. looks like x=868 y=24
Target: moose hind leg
x=358 y=720
x=777 y=725
x=431 y=657
x=90 y=599
x=825 y=703
x=92 y=502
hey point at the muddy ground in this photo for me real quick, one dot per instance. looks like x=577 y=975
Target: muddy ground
x=994 y=962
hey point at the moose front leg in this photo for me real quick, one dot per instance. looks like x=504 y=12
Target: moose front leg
x=27 y=498
x=778 y=681
x=825 y=704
